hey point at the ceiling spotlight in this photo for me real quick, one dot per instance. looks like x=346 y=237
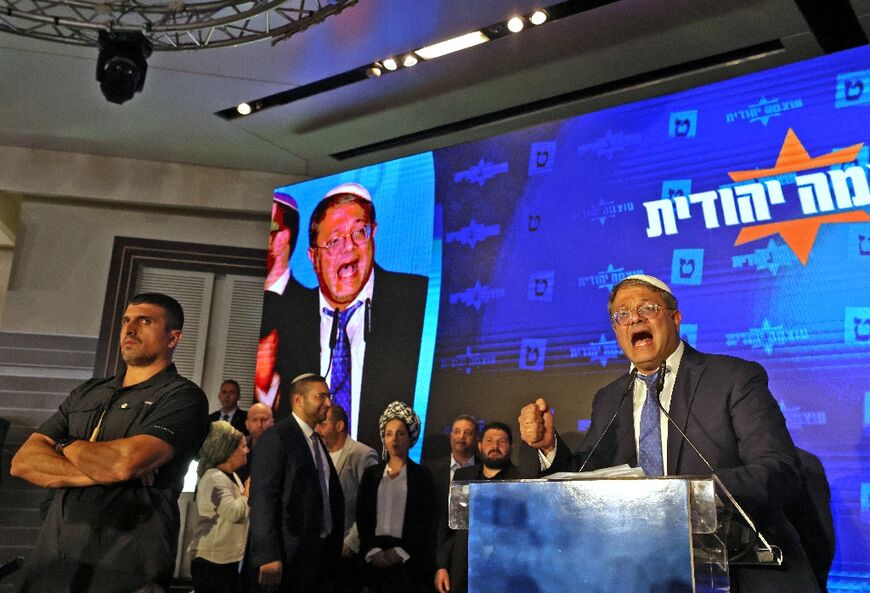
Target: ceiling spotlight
x=539 y=17
x=516 y=24
x=121 y=64
x=410 y=60
x=243 y=109
x=390 y=64
x=373 y=71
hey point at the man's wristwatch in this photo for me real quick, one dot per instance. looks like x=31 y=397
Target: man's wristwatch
x=62 y=443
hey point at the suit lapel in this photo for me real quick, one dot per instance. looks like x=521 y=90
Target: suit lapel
x=688 y=377
x=342 y=457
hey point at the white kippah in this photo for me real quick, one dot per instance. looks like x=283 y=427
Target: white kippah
x=354 y=189
x=303 y=376
x=651 y=280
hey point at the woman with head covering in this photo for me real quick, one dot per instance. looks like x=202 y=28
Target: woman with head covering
x=396 y=510
x=218 y=542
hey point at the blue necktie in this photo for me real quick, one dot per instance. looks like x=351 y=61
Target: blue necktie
x=339 y=381
x=650 y=441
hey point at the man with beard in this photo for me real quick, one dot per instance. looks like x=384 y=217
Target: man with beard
x=364 y=325
x=495 y=446
x=116 y=453
x=297 y=507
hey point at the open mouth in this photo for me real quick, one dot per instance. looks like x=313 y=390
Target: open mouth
x=641 y=338
x=348 y=270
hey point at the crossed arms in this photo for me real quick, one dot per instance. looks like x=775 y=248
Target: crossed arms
x=82 y=463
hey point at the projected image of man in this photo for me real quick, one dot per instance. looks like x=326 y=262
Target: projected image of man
x=364 y=326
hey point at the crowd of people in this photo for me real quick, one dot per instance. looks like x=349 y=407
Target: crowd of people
x=298 y=505
x=391 y=533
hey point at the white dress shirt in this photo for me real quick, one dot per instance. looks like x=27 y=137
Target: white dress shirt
x=355 y=332
x=639 y=397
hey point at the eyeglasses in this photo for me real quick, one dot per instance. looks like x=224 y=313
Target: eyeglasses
x=644 y=312
x=359 y=237
x=320 y=396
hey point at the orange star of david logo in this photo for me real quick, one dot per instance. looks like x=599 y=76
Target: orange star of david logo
x=800 y=234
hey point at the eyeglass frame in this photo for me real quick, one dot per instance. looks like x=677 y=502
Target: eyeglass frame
x=339 y=241
x=656 y=309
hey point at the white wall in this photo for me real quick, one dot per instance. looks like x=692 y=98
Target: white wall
x=74 y=205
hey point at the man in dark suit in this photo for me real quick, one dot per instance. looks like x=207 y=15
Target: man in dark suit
x=297 y=507
x=363 y=326
x=723 y=405
x=229 y=410
x=451 y=555
x=284 y=299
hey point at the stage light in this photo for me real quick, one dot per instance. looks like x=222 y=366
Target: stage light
x=121 y=64
x=373 y=71
x=409 y=60
x=244 y=109
x=515 y=25
x=539 y=17
x=430 y=52
x=390 y=64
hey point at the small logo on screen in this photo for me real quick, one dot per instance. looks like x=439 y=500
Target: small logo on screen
x=687 y=266
x=763 y=110
x=857 y=326
x=853 y=89
x=771 y=258
x=480 y=173
x=767 y=337
x=533 y=352
x=672 y=188
x=542 y=157
x=683 y=124
x=541 y=286
x=473 y=233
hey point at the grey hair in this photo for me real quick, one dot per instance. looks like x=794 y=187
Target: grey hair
x=220 y=443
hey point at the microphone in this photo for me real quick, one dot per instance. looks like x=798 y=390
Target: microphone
x=628 y=388
x=333 y=333
x=367 y=326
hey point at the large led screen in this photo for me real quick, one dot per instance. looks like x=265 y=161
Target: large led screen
x=749 y=197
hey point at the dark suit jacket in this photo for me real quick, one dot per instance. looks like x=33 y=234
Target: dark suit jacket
x=418 y=528
x=392 y=347
x=237 y=421
x=287 y=508
x=452 y=547
x=724 y=406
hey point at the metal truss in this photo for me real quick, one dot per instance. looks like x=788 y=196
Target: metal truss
x=169 y=24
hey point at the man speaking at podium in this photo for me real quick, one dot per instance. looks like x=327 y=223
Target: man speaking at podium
x=722 y=404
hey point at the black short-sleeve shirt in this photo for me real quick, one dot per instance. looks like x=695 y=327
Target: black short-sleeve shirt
x=120 y=536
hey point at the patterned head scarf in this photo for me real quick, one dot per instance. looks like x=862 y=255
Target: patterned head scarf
x=400 y=411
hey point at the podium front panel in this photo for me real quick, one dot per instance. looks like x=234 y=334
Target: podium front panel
x=596 y=536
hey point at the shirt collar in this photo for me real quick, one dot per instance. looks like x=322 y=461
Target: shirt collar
x=163 y=377
x=306 y=430
x=672 y=362
x=280 y=284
